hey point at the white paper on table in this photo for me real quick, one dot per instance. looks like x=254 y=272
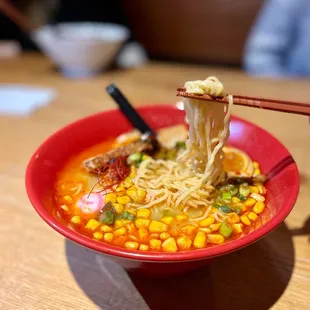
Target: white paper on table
x=18 y=99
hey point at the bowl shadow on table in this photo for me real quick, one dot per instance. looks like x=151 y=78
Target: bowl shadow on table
x=304 y=229
x=253 y=278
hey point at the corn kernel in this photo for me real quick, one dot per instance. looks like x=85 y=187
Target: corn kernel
x=250 y=202
x=118 y=208
x=144 y=213
x=131 y=245
x=235 y=200
x=143 y=234
x=258 y=197
x=206 y=222
x=92 y=224
x=76 y=219
x=188 y=229
x=108 y=237
x=256 y=171
x=181 y=217
x=131 y=228
x=111 y=197
x=245 y=220
x=259 y=207
x=142 y=223
x=167 y=219
x=120 y=189
x=127 y=182
x=133 y=171
x=184 y=243
x=158 y=227
x=120 y=231
x=123 y=200
x=132 y=193
x=141 y=193
x=213 y=210
x=106 y=228
x=200 y=240
x=205 y=229
x=120 y=223
x=170 y=245
x=154 y=236
x=215 y=227
x=255 y=164
x=143 y=247
x=68 y=200
x=261 y=188
x=237 y=228
x=133 y=238
x=164 y=235
x=215 y=238
x=65 y=208
x=98 y=235
x=134 y=212
x=233 y=218
x=155 y=244
x=252 y=216
x=254 y=189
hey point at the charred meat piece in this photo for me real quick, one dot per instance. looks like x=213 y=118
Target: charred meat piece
x=99 y=164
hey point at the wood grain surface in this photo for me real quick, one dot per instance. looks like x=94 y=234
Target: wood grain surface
x=39 y=269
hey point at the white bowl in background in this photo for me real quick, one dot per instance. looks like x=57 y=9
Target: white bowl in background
x=80 y=49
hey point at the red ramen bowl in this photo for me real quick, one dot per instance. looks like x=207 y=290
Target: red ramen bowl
x=275 y=162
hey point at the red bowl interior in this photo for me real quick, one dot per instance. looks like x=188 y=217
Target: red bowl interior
x=274 y=159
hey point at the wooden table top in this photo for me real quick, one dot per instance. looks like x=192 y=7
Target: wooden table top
x=39 y=269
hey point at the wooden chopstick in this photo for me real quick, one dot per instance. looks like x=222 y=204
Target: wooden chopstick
x=255 y=102
x=16 y=16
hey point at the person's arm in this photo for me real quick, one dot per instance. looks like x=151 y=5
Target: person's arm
x=271 y=38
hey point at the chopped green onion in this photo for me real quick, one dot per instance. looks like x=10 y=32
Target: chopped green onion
x=107 y=214
x=225 y=230
x=224 y=188
x=225 y=209
x=236 y=208
x=128 y=216
x=135 y=158
x=107 y=217
x=241 y=197
x=226 y=197
x=180 y=145
x=233 y=190
x=244 y=189
x=145 y=157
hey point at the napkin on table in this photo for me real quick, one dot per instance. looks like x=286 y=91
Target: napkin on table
x=22 y=100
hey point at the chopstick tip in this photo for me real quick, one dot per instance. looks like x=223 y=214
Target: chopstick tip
x=111 y=88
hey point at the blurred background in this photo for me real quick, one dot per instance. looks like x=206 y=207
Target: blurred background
x=264 y=37
x=188 y=31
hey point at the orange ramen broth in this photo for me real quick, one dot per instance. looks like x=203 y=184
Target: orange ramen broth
x=73 y=182
x=71 y=178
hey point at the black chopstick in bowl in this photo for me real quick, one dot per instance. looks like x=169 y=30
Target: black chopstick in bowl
x=128 y=111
